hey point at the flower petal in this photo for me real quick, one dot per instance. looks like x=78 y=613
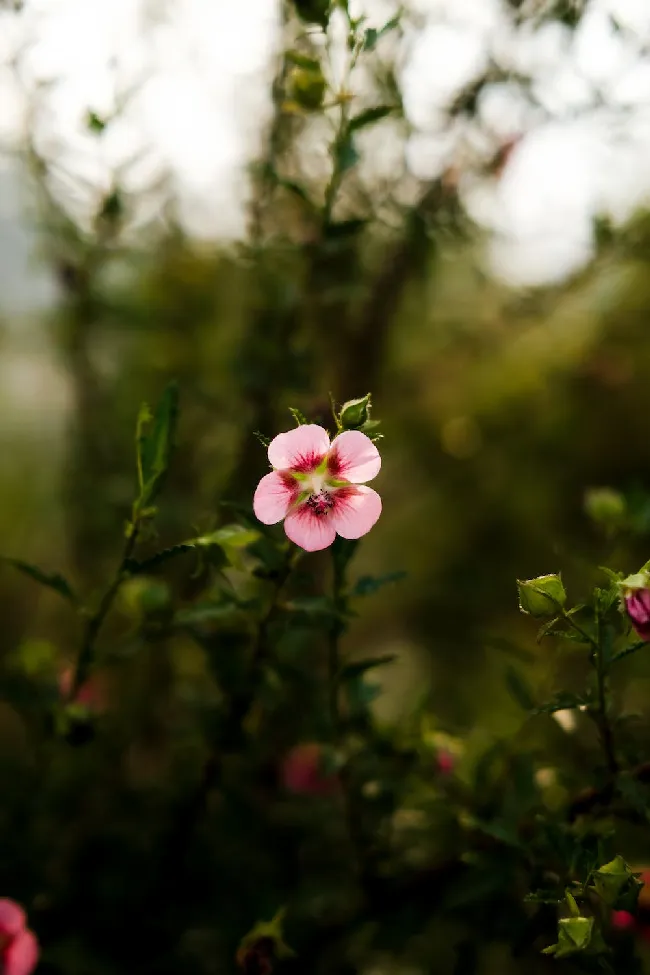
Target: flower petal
x=301 y=449
x=309 y=531
x=353 y=456
x=272 y=498
x=12 y=917
x=355 y=511
x=22 y=954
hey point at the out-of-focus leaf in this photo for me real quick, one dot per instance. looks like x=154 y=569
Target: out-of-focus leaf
x=369 y=585
x=372 y=35
x=346 y=154
x=370 y=116
x=519 y=689
x=561 y=702
x=52 y=580
x=155 y=440
x=628 y=651
x=358 y=667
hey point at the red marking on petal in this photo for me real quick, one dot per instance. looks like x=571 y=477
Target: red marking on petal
x=307 y=463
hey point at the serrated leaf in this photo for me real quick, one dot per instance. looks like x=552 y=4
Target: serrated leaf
x=229 y=536
x=155 y=440
x=369 y=117
x=519 y=689
x=52 y=580
x=369 y=585
x=359 y=667
x=628 y=651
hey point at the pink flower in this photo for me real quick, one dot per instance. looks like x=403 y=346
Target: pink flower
x=18 y=946
x=319 y=488
x=637 y=607
x=302 y=771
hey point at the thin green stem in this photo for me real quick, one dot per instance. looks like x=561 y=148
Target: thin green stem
x=353 y=815
x=600 y=668
x=96 y=620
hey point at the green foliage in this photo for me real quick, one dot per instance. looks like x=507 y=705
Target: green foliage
x=52 y=580
x=155 y=435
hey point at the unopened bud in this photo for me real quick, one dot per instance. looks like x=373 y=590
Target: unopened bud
x=541 y=597
x=355 y=413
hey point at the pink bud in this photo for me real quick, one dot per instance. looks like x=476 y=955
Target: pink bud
x=92 y=693
x=445 y=762
x=623 y=921
x=637 y=605
x=18 y=945
x=302 y=771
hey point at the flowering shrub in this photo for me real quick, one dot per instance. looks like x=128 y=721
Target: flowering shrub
x=519 y=851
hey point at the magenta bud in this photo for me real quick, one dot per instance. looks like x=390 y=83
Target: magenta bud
x=445 y=762
x=637 y=607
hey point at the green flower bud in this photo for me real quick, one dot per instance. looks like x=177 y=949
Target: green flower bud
x=617 y=886
x=307 y=87
x=355 y=413
x=542 y=597
x=574 y=934
x=605 y=506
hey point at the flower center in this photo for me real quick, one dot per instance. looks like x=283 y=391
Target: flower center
x=320 y=502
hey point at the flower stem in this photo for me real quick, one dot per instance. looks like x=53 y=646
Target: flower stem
x=96 y=620
x=353 y=816
x=602 y=711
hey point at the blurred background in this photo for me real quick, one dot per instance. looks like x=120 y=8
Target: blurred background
x=451 y=215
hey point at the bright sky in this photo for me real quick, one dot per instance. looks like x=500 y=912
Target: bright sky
x=205 y=68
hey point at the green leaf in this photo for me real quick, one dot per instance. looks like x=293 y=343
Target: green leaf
x=359 y=667
x=53 y=580
x=155 y=440
x=344 y=229
x=372 y=35
x=369 y=117
x=628 y=651
x=303 y=61
x=313 y=606
x=220 y=612
x=369 y=585
x=346 y=154
x=519 y=689
x=95 y=123
x=229 y=536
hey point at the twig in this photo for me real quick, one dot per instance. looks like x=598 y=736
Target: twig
x=96 y=620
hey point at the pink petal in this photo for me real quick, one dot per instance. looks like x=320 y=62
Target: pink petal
x=355 y=511
x=12 y=917
x=309 y=531
x=301 y=449
x=274 y=494
x=353 y=456
x=22 y=954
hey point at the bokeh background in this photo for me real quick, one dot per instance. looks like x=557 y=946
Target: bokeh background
x=482 y=270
